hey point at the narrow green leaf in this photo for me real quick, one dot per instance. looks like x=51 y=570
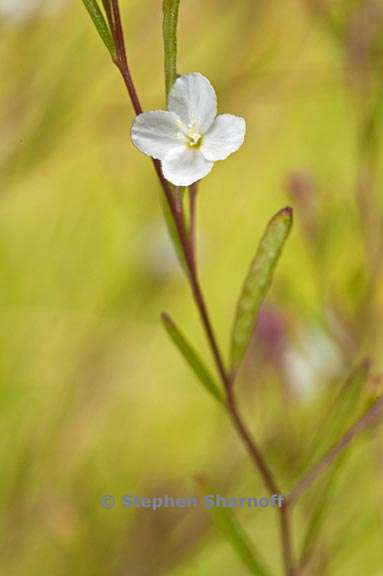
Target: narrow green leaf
x=228 y=524
x=337 y=422
x=169 y=29
x=170 y=11
x=371 y=135
x=192 y=358
x=171 y=228
x=340 y=416
x=321 y=509
x=258 y=282
x=100 y=23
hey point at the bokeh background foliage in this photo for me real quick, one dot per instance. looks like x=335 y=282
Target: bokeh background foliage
x=94 y=399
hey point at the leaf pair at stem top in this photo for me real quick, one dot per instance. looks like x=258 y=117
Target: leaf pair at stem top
x=170 y=19
x=100 y=22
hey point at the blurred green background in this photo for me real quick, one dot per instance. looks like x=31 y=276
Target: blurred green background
x=94 y=399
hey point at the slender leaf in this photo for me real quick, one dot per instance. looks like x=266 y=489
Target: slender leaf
x=371 y=134
x=169 y=28
x=336 y=424
x=231 y=529
x=100 y=23
x=170 y=10
x=339 y=416
x=321 y=510
x=172 y=229
x=192 y=358
x=225 y=520
x=228 y=524
x=258 y=281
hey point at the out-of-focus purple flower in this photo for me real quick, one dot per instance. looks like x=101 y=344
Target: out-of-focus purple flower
x=302 y=190
x=270 y=333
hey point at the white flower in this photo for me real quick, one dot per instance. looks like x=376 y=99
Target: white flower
x=190 y=137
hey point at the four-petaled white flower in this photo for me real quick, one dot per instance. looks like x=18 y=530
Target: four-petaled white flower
x=189 y=137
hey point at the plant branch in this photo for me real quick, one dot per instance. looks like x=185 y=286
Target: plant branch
x=268 y=479
x=366 y=420
x=123 y=66
x=193 y=193
x=186 y=241
x=109 y=14
x=121 y=59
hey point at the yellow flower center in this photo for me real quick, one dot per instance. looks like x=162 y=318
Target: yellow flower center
x=193 y=136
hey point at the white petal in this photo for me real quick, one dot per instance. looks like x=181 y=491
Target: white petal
x=157 y=133
x=184 y=166
x=224 y=137
x=193 y=99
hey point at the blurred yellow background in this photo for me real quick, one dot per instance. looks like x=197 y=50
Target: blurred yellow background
x=95 y=400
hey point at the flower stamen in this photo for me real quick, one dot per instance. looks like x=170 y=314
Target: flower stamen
x=193 y=136
x=194 y=141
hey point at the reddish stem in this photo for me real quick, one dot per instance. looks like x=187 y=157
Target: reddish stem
x=121 y=62
x=267 y=477
x=193 y=193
